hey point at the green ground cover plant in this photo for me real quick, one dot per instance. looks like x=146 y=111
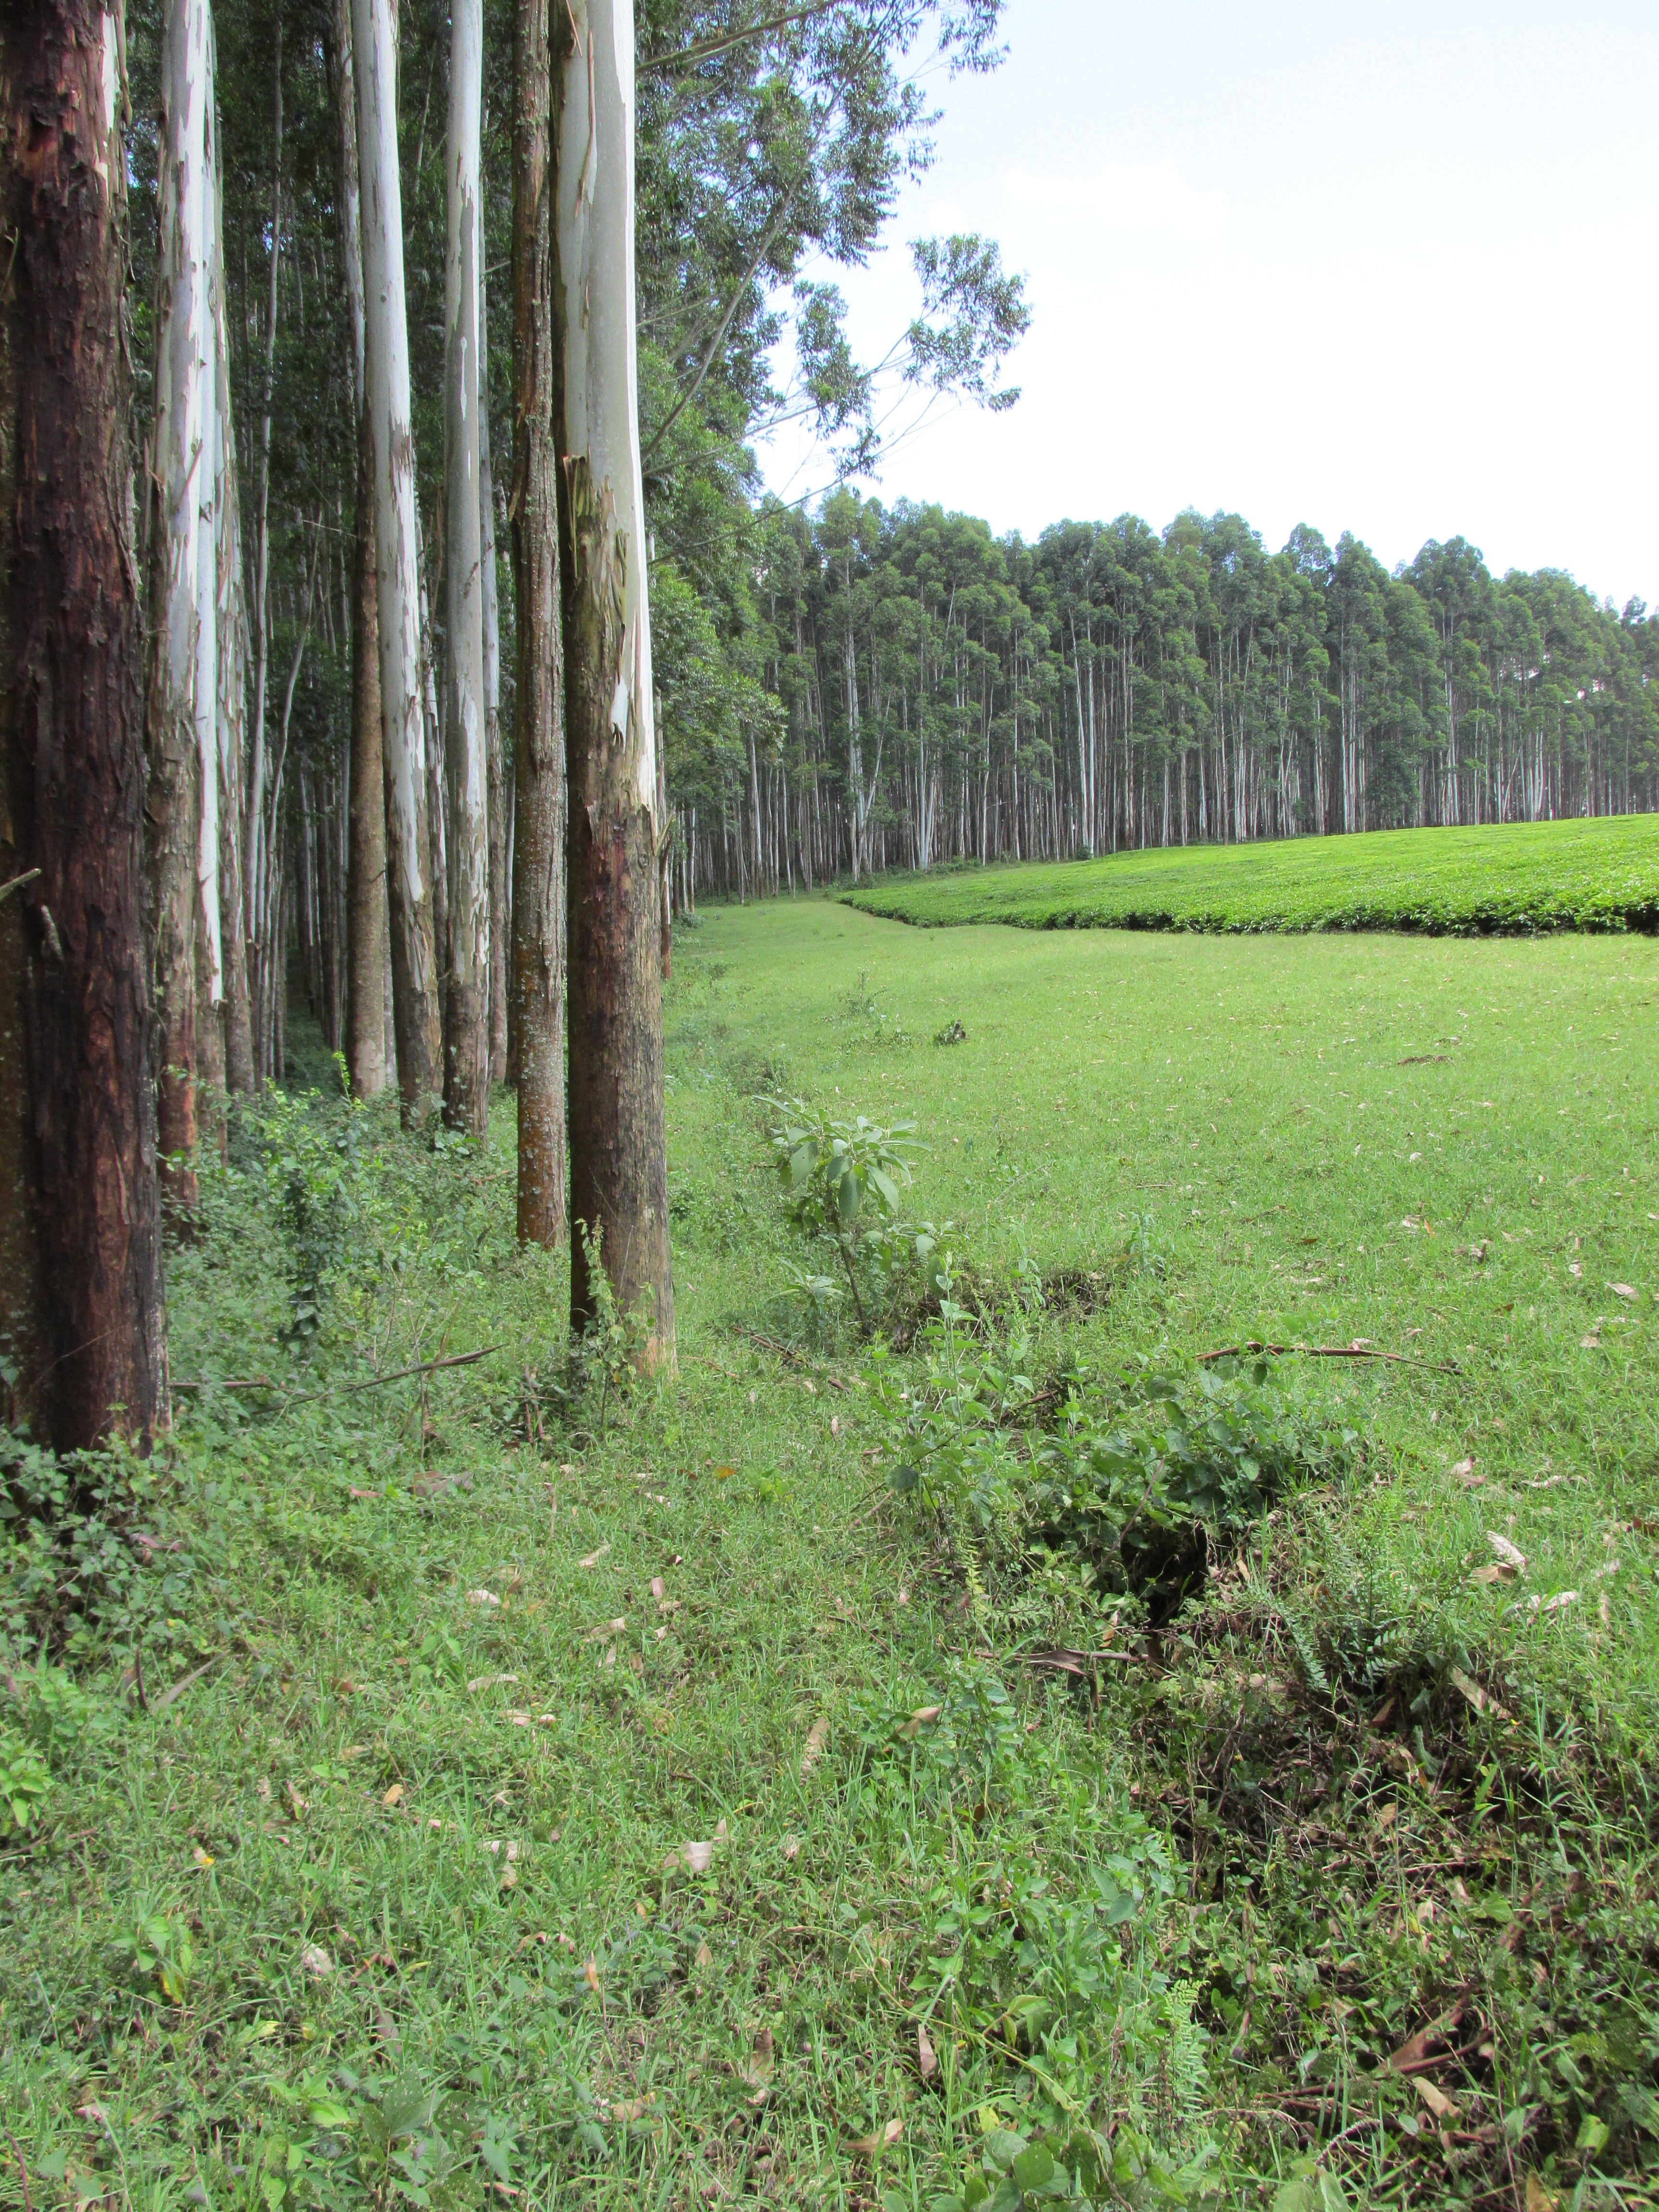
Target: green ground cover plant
x=1520 y=877
x=1019 y=1745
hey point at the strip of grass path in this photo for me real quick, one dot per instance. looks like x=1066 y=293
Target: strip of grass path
x=1521 y=878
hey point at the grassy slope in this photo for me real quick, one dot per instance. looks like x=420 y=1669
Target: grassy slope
x=1524 y=876
x=1261 y=1118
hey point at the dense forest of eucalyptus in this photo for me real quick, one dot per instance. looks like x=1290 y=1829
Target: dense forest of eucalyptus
x=860 y=686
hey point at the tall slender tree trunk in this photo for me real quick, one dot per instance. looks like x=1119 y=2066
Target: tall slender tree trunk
x=414 y=966
x=366 y=917
x=466 y=999
x=257 y=861
x=230 y=633
x=499 y=901
x=619 y=1157
x=538 y=747
x=182 y=469
x=80 y=1243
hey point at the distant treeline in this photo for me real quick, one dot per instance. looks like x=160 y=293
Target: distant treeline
x=897 y=687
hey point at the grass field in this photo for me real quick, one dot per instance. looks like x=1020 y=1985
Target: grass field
x=1524 y=877
x=513 y=1780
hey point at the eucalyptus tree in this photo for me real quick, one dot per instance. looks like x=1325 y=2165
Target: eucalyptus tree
x=80 y=1247
x=366 y=894
x=182 y=800
x=409 y=866
x=537 y=972
x=618 y=1151
x=466 y=993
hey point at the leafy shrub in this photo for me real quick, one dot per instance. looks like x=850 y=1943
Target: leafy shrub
x=841 y=1180
x=1133 y=1471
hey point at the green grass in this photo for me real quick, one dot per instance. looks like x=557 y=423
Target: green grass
x=1443 y=1148
x=1523 y=878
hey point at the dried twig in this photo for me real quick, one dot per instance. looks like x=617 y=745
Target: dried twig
x=342 y=1390
x=1326 y=1352
x=796 y=1359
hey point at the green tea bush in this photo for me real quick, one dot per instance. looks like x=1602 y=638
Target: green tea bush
x=1521 y=878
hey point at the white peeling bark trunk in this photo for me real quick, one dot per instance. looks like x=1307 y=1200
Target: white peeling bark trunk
x=618 y=1165
x=230 y=683
x=181 y=703
x=466 y=1003
x=211 y=966
x=386 y=361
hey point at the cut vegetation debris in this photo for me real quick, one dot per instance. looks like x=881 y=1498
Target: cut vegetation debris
x=1074 y=1772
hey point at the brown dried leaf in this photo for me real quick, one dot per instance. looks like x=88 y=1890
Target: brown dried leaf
x=872 y=2146
x=1438 y=2102
x=926 y=2057
x=394 y=1795
x=791 y=1847
x=815 y=1739
x=658 y=1590
x=1510 y=1554
x=629 y=2109
x=593 y=1558
x=704 y=1959
x=696 y=1857
x=1482 y=1700
x=1496 y=1572
x=590 y=1974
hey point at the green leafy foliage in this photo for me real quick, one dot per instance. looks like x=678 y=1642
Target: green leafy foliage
x=1600 y=875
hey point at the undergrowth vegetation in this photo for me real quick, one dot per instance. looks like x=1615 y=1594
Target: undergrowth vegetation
x=1521 y=878
x=982 y=1734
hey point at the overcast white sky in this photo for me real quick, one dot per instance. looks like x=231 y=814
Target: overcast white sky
x=1388 y=269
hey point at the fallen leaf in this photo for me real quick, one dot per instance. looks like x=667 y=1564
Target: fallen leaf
x=1561 y=1598
x=704 y=1959
x=629 y=2109
x=1574 y=1266
x=606 y=1628
x=202 y=1858
x=1590 y=1344
x=1386 y=1817
x=593 y=1558
x=1507 y=1551
x=834 y=1425
x=926 y=2057
x=316 y=1962
x=488 y=1681
x=1622 y=1289
x=815 y=1736
x=300 y=1804
x=657 y=1588
x=591 y=1973
x=1496 y=1572
x=871 y=2146
x=696 y=1857
x=1480 y=1699
x=509 y=1877
x=481 y=1597
x=918 y=1720
x=394 y=1795
x=1538 y=2197
x=791 y=1847
x=356 y=1493
x=758 y=2072
x=1440 y=2105
x=724 y=1474
x=1464 y=1467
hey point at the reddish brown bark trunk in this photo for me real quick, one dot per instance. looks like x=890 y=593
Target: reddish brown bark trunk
x=77 y=1153
x=538 y=838
x=618 y=1163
